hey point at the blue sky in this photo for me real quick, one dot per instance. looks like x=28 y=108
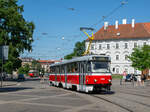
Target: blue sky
x=58 y=27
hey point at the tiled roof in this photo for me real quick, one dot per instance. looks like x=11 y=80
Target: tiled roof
x=48 y=61
x=124 y=31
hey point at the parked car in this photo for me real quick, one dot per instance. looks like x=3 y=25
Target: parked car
x=21 y=77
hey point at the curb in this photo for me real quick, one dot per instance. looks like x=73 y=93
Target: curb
x=9 y=84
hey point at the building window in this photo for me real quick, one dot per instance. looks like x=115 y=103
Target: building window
x=92 y=47
x=126 y=46
x=126 y=70
x=144 y=43
x=117 y=57
x=117 y=70
x=117 y=46
x=135 y=45
x=108 y=55
x=108 y=46
x=126 y=57
x=100 y=46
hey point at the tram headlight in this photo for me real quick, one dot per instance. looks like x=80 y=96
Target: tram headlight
x=109 y=80
x=95 y=80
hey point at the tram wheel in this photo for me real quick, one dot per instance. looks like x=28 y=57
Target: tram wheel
x=60 y=85
x=74 y=88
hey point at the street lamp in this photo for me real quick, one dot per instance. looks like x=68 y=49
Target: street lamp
x=63 y=38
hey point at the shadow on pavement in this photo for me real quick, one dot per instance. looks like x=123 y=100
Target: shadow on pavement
x=13 y=89
x=32 y=79
x=26 y=79
x=103 y=92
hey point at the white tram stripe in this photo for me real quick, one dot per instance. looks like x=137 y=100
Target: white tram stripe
x=94 y=74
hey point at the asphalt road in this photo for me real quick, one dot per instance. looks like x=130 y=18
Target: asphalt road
x=34 y=96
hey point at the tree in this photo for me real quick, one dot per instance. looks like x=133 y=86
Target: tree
x=36 y=66
x=78 y=50
x=24 y=69
x=15 y=32
x=140 y=58
x=21 y=70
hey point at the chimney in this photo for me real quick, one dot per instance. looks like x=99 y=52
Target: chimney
x=133 y=23
x=105 y=25
x=116 y=25
x=124 y=21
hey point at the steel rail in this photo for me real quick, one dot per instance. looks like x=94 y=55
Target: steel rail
x=119 y=105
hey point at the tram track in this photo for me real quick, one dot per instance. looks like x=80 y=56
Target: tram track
x=144 y=104
x=146 y=96
x=112 y=102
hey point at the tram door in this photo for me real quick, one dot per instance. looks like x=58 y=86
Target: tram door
x=56 y=71
x=65 y=72
x=82 y=68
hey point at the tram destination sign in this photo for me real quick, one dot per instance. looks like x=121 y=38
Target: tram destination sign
x=101 y=58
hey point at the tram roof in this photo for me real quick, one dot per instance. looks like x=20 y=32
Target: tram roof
x=78 y=59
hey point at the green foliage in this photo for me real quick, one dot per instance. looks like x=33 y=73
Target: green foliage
x=24 y=69
x=36 y=66
x=69 y=56
x=78 y=50
x=141 y=58
x=34 y=63
x=116 y=76
x=21 y=70
x=15 y=32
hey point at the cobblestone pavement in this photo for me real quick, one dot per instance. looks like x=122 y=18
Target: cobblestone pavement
x=33 y=96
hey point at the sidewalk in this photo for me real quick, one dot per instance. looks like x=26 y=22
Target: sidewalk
x=9 y=83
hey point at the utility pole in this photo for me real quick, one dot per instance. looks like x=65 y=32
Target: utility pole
x=2 y=67
x=4 y=56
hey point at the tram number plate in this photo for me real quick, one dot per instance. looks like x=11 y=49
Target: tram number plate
x=102 y=78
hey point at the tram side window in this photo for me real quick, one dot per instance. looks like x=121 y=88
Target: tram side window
x=57 y=70
x=89 y=67
x=72 y=68
x=52 y=70
x=62 y=69
x=76 y=67
x=68 y=68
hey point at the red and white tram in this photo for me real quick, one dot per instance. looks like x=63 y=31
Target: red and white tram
x=86 y=73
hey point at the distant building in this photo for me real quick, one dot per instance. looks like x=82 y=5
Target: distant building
x=27 y=60
x=46 y=64
x=118 y=42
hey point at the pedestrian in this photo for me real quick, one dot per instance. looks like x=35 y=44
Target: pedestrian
x=143 y=78
x=138 y=80
x=148 y=76
x=123 y=78
x=42 y=78
x=132 y=78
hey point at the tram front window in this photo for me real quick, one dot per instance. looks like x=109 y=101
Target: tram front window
x=100 y=67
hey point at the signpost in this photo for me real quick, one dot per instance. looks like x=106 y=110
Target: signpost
x=3 y=56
